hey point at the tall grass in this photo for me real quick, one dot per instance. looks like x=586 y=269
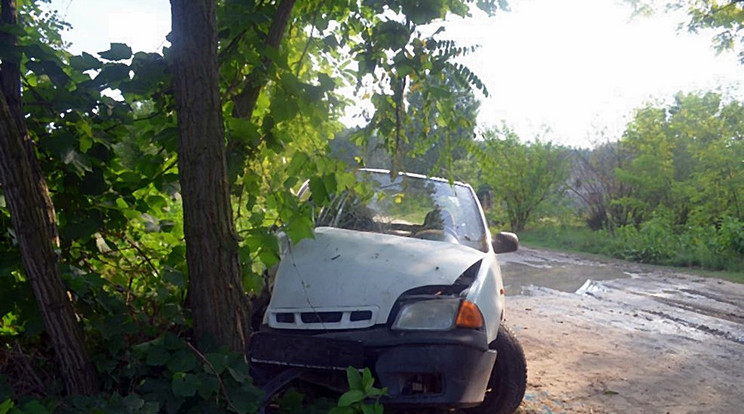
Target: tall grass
x=718 y=248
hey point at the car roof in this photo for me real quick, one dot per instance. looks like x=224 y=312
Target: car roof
x=414 y=175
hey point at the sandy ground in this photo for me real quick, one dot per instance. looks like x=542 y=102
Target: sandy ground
x=614 y=337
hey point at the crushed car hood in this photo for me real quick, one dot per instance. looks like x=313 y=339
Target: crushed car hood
x=341 y=273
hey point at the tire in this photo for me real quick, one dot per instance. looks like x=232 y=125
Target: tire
x=508 y=380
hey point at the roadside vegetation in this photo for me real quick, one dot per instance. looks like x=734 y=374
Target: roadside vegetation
x=668 y=191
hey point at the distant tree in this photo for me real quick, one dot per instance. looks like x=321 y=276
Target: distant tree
x=708 y=167
x=649 y=173
x=684 y=158
x=594 y=182
x=522 y=175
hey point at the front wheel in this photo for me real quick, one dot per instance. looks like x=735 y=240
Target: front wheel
x=508 y=379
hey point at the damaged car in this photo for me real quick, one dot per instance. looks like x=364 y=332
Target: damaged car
x=402 y=279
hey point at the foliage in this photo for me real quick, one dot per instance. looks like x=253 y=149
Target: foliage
x=361 y=389
x=104 y=129
x=725 y=17
x=165 y=374
x=430 y=142
x=683 y=159
x=593 y=181
x=669 y=191
x=657 y=242
x=521 y=176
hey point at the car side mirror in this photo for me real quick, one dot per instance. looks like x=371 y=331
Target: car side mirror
x=505 y=242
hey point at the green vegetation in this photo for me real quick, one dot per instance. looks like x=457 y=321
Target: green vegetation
x=667 y=192
x=696 y=255
x=136 y=226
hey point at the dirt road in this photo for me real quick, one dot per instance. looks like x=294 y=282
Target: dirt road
x=615 y=337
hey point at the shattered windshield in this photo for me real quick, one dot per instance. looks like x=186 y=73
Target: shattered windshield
x=410 y=206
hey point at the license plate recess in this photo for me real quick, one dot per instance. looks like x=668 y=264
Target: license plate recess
x=306 y=351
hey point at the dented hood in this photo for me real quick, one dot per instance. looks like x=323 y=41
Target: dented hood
x=344 y=271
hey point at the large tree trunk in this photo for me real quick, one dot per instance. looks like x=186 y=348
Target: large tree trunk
x=220 y=308
x=34 y=221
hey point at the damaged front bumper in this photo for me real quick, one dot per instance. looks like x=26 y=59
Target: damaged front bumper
x=445 y=369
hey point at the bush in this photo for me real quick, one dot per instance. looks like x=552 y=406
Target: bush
x=656 y=241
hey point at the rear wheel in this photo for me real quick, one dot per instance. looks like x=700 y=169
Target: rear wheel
x=508 y=379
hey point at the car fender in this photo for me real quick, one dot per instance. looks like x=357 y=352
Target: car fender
x=487 y=293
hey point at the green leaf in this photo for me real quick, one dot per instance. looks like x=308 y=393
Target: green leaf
x=350 y=397
x=367 y=381
x=298 y=163
x=239 y=373
x=185 y=385
x=34 y=407
x=51 y=69
x=219 y=362
x=182 y=360
x=157 y=355
x=85 y=61
x=318 y=190
x=247 y=398
x=299 y=228
x=118 y=51
x=112 y=73
x=175 y=277
x=341 y=410
x=133 y=402
x=5 y=406
x=243 y=130
x=372 y=409
x=209 y=387
x=284 y=108
x=93 y=183
x=391 y=35
x=354 y=379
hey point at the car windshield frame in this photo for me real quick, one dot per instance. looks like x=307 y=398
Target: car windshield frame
x=409 y=205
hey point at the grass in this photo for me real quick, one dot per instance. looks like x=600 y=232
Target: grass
x=663 y=249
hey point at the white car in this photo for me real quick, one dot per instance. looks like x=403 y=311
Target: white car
x=404 y=280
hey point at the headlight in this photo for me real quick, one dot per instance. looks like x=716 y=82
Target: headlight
x=428 y=315
x=438 y=315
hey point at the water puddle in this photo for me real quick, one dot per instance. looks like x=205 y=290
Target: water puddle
x=523 y=269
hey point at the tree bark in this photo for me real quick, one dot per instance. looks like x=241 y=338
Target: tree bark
x=10 y=84
x=220 y=308
x=34 y=220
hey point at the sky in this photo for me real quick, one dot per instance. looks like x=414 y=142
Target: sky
x=570 y=71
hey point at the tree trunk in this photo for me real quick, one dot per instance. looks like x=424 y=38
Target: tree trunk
x=34 y=221
x=220 y=308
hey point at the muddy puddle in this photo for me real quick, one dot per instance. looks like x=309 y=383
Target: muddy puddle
x=565 y=273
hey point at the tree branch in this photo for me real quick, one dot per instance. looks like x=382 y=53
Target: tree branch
x=307 y=44
x=245 y=101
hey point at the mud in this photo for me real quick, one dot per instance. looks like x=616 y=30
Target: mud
x=605 y=336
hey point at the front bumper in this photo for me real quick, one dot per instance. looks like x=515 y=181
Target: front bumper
x=449 y=369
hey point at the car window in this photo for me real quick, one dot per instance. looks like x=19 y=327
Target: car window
x=409 y=206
